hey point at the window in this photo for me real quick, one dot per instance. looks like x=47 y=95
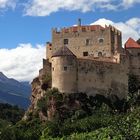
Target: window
x=85 y=53
x=65 y=68
x=138 y=54
x=53 y=68
x=87 y=42
x=101 y=40
x=66 y=41
x=100 y=54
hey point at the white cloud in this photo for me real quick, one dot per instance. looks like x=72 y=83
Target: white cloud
x=102 y=22
x=46 y=7
x=7 y=4
x=129 y=3
x=134 y=23
x=129 y=28
x=22 y=63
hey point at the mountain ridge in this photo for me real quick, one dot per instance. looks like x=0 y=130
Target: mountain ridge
x=14 y=92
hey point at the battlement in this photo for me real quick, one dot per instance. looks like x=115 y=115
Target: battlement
x=87 y=40
x=90 y=59
x=87 y=28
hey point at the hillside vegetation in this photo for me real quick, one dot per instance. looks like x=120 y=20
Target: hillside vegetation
x=9 y=116
x=79 y=117
x=96 y=121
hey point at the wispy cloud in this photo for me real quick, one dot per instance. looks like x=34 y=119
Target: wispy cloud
x=129 y=28
x=4 y=4
x=129 y=3
x=46 y=7
x=22 y=62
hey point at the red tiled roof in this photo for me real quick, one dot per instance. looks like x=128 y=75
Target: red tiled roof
x=131 y=43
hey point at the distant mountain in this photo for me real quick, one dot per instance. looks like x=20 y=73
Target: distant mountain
x=14 y=92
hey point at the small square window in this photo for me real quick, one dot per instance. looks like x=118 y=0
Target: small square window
x=65 y=68
x=85 y=53
x=66 y=41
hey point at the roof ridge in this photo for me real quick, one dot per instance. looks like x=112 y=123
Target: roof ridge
x=131 y=43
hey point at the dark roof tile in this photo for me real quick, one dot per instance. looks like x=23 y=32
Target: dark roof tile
x=63 y=51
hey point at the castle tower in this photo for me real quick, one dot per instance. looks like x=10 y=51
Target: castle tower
x=134 y=50
x=48 y=51
x=88 y=41
x=64 y=71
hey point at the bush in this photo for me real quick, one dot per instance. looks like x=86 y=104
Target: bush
x=8 y=133
x=11 y=113
x=23 y=130
x=58 y=129
x=47 y=79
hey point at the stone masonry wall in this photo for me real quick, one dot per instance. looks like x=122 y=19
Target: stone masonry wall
x=77 y=41
x=135 y=62
x=64 y=74
x=95 y=77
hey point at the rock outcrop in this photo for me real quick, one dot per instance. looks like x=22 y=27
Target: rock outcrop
x=39 y=85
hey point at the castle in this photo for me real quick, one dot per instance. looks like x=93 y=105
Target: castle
x=91 y=59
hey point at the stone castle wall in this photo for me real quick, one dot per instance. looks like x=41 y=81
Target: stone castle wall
x=64 y=74
x=72 y=75
x=96 y=77
x=101 y=65
x=91 y=39
x=135 y=62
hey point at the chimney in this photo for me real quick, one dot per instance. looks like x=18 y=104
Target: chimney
x=79 y=22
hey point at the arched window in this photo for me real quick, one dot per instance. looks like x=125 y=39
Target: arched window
x=87 y=42
x=100 y=54
x=101 y=40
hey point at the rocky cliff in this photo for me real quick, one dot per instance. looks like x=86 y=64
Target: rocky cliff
x=39 y=85
x=47 y=103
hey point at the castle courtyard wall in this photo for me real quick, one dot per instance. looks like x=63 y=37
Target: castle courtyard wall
x=135 y=62
x=90 y=76
x=95 y=77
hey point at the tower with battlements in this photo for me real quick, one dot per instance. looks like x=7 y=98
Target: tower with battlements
x=86 y=41
x=91 y=59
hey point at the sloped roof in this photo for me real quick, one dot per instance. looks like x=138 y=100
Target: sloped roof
x=63 y=51
x=131 y=43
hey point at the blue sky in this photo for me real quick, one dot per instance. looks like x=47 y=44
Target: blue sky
x=26 y=26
